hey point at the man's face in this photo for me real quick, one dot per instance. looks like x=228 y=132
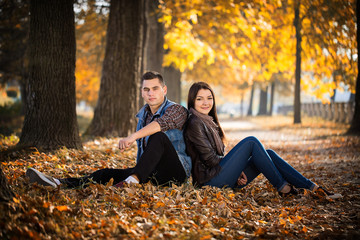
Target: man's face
x=153 y=93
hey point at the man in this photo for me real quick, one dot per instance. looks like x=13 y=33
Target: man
x=161 y=156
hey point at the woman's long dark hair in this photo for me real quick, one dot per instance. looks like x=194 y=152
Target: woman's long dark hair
x=193 y=91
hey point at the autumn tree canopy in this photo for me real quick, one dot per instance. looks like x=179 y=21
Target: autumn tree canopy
x=205 y=38
x=91 y=22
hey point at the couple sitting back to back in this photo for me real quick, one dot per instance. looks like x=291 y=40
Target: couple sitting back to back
x=174 y=143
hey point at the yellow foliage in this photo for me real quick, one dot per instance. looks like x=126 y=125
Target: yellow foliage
x=208 y=38
x=90 y=48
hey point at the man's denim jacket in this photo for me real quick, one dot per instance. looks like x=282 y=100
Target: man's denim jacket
x=175 y=135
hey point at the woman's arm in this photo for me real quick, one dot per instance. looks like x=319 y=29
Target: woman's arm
x=196 y=134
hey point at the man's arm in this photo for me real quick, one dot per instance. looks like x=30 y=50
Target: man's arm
x=148 y=130
x=174 y=117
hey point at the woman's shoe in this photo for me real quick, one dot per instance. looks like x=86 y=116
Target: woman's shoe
x=293 y=191
x=328 y=194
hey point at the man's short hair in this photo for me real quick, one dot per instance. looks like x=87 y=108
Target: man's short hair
x=152 y=75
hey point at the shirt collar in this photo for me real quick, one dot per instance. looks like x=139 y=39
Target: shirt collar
x=148 y=110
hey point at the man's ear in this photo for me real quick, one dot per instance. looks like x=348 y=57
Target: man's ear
x=165 y=90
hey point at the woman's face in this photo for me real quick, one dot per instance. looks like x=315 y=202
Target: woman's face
x=204 y=101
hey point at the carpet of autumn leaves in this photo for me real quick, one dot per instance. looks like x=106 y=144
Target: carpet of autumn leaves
x=319 y=150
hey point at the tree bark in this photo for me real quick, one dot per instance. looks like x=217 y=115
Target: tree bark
x=118 y=99
x=355 y=124
x=50 y=119
x=272 y=95
x=297 y=100
x=263 y=102
x=6 y=193
x=154 y=50
x=249 y=113
x=242 y=105
x=172 y=77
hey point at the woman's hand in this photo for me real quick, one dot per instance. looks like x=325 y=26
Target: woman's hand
x=242 y=180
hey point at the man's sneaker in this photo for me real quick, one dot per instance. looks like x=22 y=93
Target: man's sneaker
x=40 y=178
x=329 y=194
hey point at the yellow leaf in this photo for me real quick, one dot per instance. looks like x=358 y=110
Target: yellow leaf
x=110 y=183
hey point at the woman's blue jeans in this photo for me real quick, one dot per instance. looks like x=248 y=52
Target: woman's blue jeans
x=250 y=156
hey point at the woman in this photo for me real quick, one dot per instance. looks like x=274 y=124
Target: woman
x=205 y=145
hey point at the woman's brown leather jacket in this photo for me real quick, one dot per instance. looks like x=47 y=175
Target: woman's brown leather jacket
x=200 y=146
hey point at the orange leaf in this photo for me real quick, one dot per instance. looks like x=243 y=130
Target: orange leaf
x=62 y=208
x=206 y=237
x=159 y=204
x=46 y=204
x=260 y=231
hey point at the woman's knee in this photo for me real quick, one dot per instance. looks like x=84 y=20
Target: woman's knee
x=270 y=152
x=252 y=139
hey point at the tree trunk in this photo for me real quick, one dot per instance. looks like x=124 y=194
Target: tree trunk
x=355 y=124
x=153 y=49
x=172 y=77
x=23 y=94
x=6 y=193
x=272 y=98
x=242 y=105
x=249 y=113
x=50 y=118
x=263 y=102
x=118 y=99
x=297 y=100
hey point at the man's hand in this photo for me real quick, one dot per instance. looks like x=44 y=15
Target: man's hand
x=126 y=142
x=242 y=180
x=148 y=130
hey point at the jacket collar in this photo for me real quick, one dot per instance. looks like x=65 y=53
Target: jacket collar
x=146 y=109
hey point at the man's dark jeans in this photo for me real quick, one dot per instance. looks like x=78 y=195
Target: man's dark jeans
x=159 y=164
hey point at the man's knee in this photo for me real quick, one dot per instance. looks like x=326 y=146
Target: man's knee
x=158 y=136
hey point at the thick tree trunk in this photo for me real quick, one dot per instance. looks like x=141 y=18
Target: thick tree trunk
x=120 y=82
x=249 y=113
x=355 y=124
x=50 y=118
x=172 y=77
x=23 y=94
x=272 y=94
x=263 y=102
x=297 y=100
x=6 y=193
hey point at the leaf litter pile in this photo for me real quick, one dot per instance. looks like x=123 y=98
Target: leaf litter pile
x=321 y=152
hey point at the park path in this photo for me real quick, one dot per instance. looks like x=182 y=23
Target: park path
x=237 y=129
